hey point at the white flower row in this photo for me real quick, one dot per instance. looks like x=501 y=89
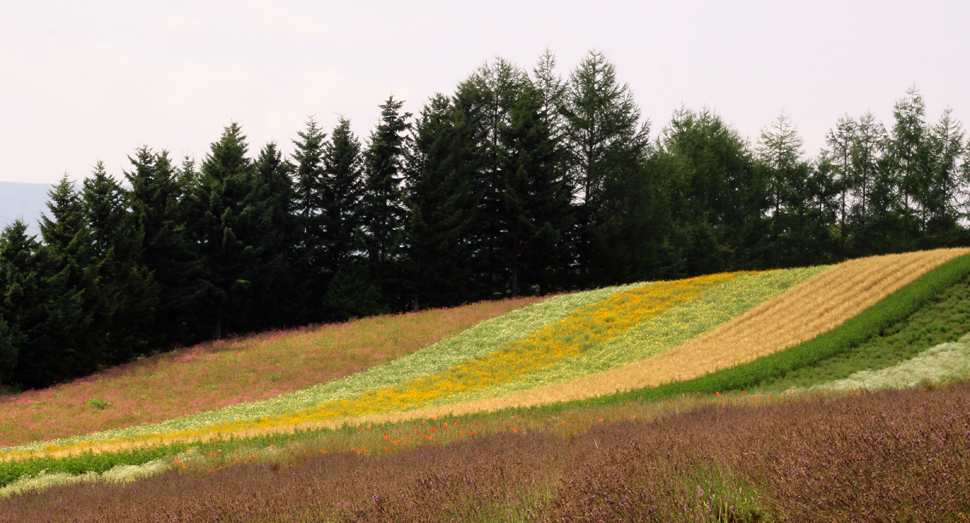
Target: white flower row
x=118 y=474
x=944 y=362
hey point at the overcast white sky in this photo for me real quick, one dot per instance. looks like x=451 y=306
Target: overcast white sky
x=88 y=81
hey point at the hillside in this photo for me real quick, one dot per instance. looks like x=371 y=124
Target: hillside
x=632 y=352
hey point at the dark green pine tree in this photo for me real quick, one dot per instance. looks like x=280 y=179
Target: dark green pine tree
x=159 y=193
x=22 y=301
x=273 y=201
x=382 y=209
x=125 y=294
x=349 y=291
x=57 y=346
x=224 y=226
x=484 y=104
x=341 y=196
x=309 y=235
x=440 y=209
x=537 y=196
x=711 y=197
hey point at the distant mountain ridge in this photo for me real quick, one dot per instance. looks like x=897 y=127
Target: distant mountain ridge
x=25 y=201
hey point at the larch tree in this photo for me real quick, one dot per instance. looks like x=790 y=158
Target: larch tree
x=607 y=143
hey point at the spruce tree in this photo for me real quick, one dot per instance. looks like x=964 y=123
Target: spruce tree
x=271 y=200
x=440 y=210
x=124 y=293
x=224 y=226
x=484 y=104
x=309 y=188
x=712 y=195
x=343 y=190
x=60 y=344
x=350 y=292
x=537 y=197
x=159 y=194
x=382 y=208
x=21 y=300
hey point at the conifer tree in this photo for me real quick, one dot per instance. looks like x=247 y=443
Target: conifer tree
x=60 y=340
x=224 y=226
x=124 y=295
x=159 y=193
x=440 y=210
x=868 y=148
x=910 y=163
x=309 y=189
x=840 y=140
x=343 y=188
x=537 y=197
x=21 y=299
x=942 y=192
x=712 y=195
x=272 y=201
x=484 y=104
x=350 y=291
x=382 y=208
x=607 y=144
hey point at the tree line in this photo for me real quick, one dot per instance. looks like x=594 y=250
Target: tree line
x=519 y=183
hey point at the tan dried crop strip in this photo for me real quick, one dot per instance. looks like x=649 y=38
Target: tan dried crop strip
x=805 y=311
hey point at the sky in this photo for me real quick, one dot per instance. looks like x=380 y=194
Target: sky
x=87 y=81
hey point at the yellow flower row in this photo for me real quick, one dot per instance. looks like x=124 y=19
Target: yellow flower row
x=586 y=328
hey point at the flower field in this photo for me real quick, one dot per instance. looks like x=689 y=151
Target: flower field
x=526 y=353
x=676 y=326
x=240 y=371
x=811 y=308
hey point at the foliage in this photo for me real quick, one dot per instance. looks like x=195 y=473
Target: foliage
x=518 y=183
